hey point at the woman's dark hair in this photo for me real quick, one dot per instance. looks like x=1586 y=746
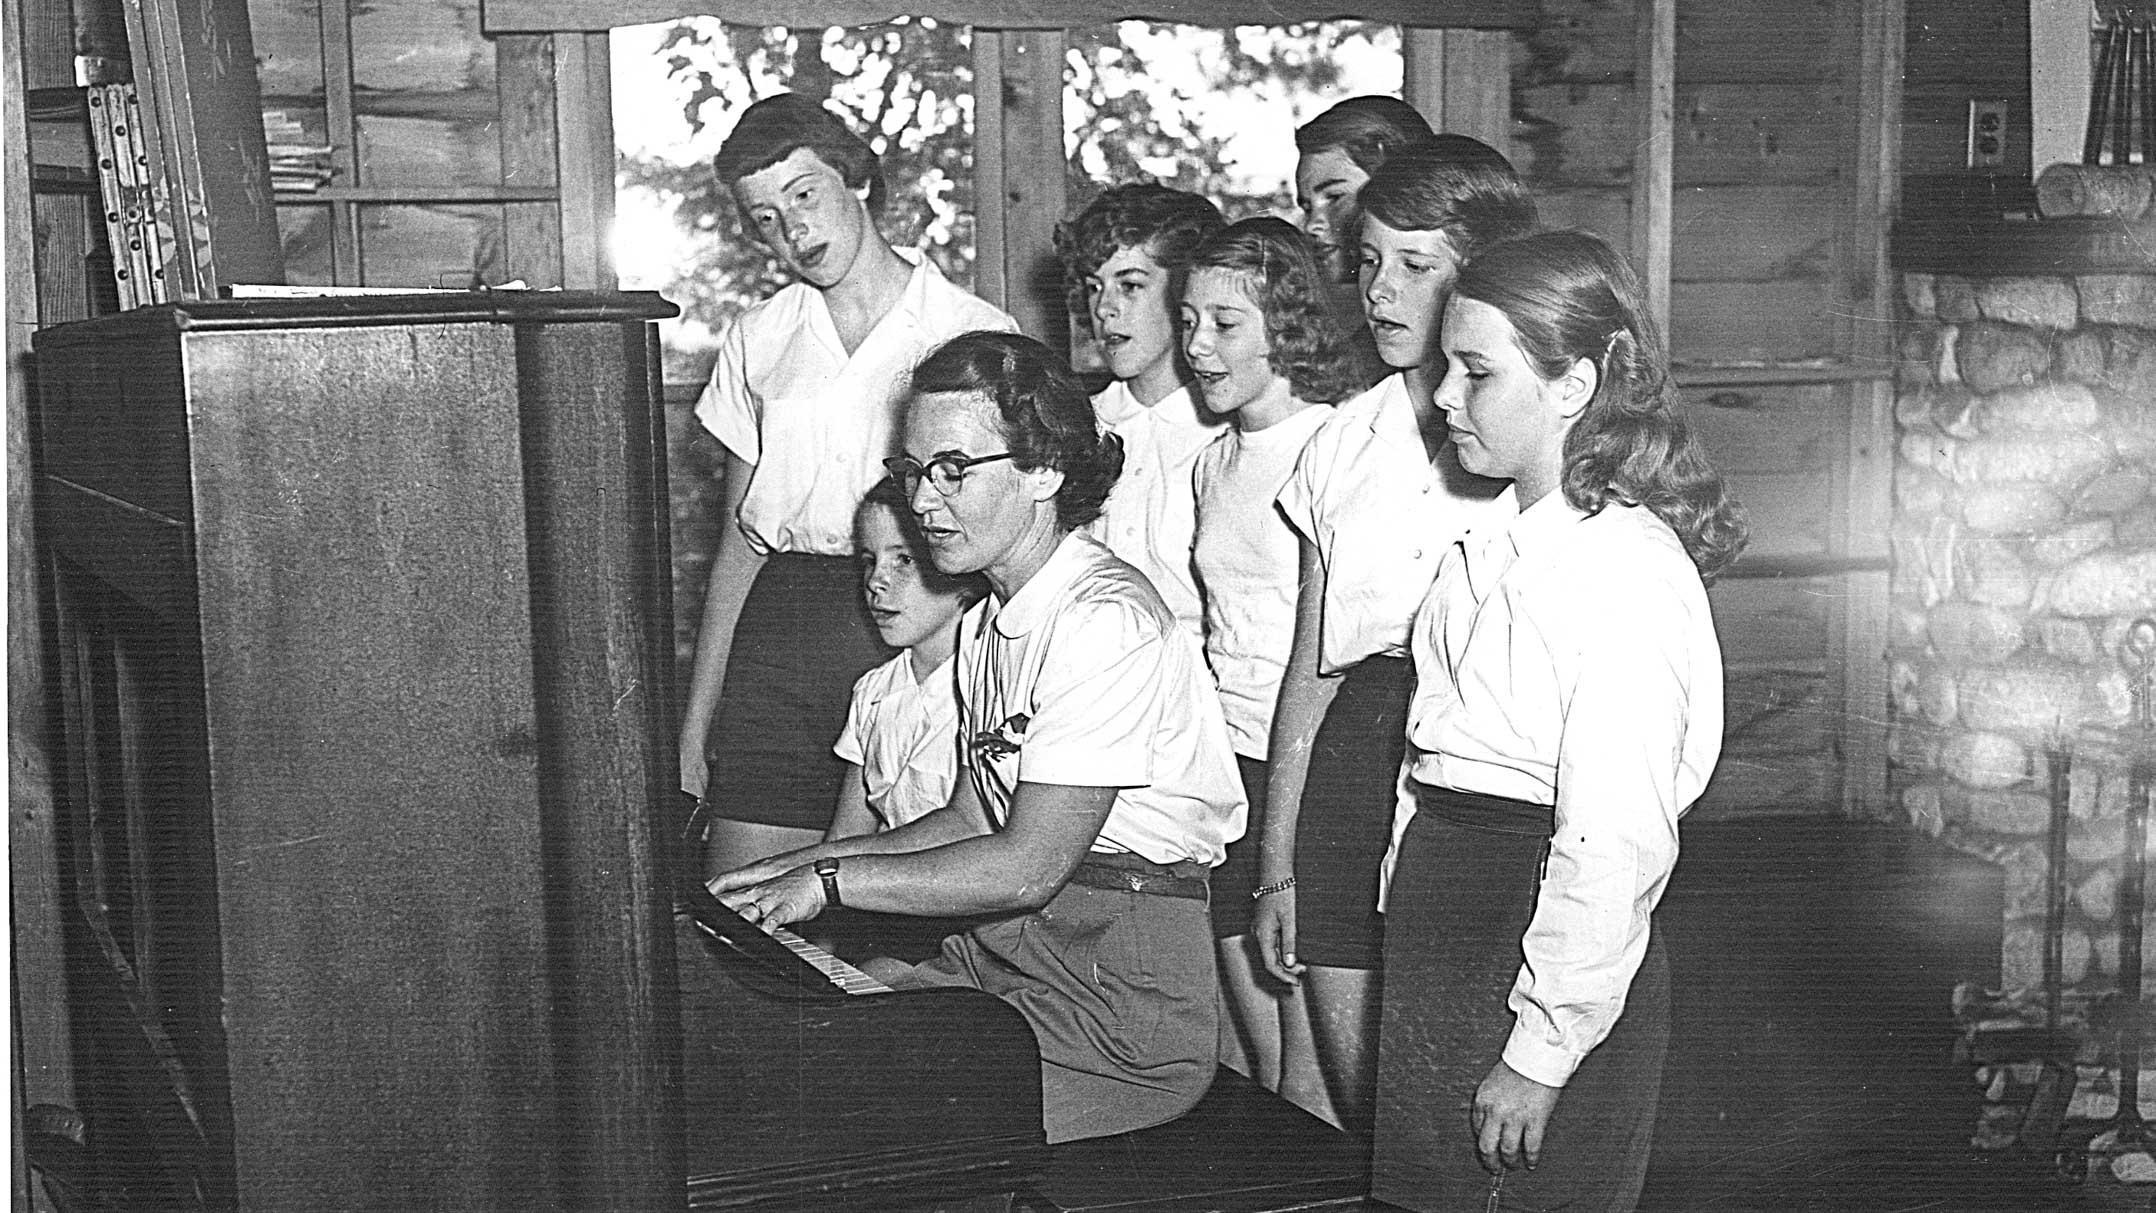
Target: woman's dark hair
x=1370 y=129
x=1280 y=273
x=1166 y=223
x=1045 y=414
x=886 y=494
x=1568 y=296
x=1452 y=184
x=778 y=126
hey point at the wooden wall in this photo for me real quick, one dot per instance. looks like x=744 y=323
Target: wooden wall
x=1769 y=241
x=1958 y=50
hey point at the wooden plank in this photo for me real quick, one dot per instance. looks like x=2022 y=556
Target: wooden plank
x=1723 y=41
x=1019 y=176
x=1774 y=429
x=1756 y=232
x=323 y=805
x=1718 y=232
x=1781 y=714
x=533 y=16
x=524 y=70
x=1781 y=321
x=1866 y=335
x=603 y=656
x=585 y=92
x=1461 y=80
x=341 y=121
x=44 y=1068
x=1727 y=134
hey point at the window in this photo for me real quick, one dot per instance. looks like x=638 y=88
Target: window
x=406 y=148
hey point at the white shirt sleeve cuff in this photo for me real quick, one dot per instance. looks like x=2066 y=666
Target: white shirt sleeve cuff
x=1545 y=1063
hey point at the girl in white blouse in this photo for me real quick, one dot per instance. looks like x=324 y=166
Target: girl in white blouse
x=1373 y=498
x=1568 y=709
x=1267 y=354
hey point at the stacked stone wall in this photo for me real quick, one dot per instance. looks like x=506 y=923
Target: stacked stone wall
x=2024 y=547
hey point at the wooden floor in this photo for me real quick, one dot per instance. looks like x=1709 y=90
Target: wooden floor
x=1811 y=1066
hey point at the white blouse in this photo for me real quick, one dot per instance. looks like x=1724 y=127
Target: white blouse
x=903 y=734
x=1149 y=518
x=1571 y=660
x=814 y=421
x=1380 y=513
x=1084 y=679
x=1247 y=561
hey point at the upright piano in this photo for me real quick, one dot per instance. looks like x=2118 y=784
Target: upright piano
x=360 y=610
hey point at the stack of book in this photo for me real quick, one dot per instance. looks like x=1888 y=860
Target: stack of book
x=297 y=166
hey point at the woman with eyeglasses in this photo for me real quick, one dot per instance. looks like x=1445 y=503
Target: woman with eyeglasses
x=1099 y=783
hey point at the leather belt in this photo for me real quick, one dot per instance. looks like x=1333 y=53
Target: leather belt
x=1138 y=875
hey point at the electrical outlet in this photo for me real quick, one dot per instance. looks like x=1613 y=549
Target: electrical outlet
x=1987 y=132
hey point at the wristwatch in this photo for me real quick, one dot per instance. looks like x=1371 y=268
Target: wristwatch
x=827 y=871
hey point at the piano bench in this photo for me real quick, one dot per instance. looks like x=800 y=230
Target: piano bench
x=1243 y=1149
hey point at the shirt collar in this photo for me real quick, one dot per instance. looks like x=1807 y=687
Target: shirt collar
x=1394 y=417
x=1116 y=404
x=1040 y=594
x=1489 y=553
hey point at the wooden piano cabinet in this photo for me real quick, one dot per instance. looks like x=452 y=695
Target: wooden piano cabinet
x=363 y=658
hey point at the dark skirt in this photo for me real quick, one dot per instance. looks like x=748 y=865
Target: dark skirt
x=803 y=639
x=1237 y=875
x=1346 y=820
x=1464 y=888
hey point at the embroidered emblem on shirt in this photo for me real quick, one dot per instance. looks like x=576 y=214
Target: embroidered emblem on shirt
x=1002 y=741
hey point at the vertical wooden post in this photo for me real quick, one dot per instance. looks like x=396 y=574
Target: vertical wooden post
x=584 y=84
x=1654 y=81
x=1018 y=162
x=1461 y=80
x=1864 y=337
x=43 y=1067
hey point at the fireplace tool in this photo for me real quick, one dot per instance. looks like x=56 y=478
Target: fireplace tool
x=2124 y=1132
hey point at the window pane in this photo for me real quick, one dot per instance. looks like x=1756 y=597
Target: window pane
x=423 y=85
x=1213 y=111
x=431 y=246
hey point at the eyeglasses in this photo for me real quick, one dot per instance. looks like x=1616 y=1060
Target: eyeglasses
x=946 y=472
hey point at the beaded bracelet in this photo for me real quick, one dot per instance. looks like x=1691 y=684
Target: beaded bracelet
x=1278 y=886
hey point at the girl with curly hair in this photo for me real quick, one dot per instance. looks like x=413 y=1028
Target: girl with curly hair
x=1568 y=710
x=1266 y=354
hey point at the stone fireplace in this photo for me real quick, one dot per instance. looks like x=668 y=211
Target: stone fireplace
x=2024 y=547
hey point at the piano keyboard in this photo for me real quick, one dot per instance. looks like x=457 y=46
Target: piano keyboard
x=842 y=975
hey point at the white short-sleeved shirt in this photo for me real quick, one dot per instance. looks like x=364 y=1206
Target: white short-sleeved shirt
x=1247 y=562
x=1571 y=661
x=903 y=734
x=1366 y=493
x=1084 y=679
x=814 y=422
x=1148 y=520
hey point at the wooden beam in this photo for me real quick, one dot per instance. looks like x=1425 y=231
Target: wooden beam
x=1018 y=164
x=1654 y=81
x=1866 y=339
x=1461 y=80
x=583 y=75
x=44 y=1072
